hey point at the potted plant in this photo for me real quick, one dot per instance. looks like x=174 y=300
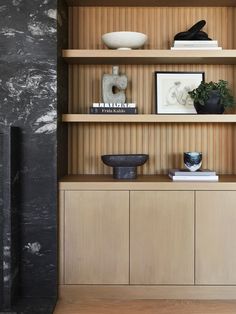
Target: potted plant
x=212 y=98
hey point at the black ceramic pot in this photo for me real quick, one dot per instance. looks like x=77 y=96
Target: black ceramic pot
x=212 y=105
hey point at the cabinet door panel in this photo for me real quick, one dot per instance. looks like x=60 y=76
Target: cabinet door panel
x=162 y=237
x=216 y=237
x=97 y=237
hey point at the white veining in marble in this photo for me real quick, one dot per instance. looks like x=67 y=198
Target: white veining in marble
x=6 y=278
x=49 y=116
x=47 y=129
x=16 y=2
x=6 y=250
x=37 y=28
x=10 y=32
x=52 y=14
x=5 y=266
x=33 y=248
x=3 y=8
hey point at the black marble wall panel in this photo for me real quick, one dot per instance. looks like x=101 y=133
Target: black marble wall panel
x=9 y=212
x=29 y=99
x=1 y=217
x=62 y=88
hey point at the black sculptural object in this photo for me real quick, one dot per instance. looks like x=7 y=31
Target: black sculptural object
x=194 y=33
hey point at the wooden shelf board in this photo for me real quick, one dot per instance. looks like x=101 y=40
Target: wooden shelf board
x=149 y=118
x=165 y=3
x=106 y=56
x=155 y=182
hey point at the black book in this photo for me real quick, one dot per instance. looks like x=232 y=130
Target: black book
x=104 y=110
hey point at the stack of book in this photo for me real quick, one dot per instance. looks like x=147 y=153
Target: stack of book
x=199 y=175
x=111 y=108
x=196 y=45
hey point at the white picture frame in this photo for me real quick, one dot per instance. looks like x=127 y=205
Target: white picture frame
x=172 y=91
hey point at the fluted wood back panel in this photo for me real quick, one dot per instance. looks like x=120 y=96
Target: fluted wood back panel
x=85 y=83
x=87 y=24
x=164 y=143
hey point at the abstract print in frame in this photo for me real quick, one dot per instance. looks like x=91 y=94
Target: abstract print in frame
x=172 y=91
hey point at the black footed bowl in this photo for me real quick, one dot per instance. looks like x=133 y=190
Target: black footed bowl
x=125 y=166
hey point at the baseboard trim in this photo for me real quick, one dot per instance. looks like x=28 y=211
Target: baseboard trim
x=73 y=293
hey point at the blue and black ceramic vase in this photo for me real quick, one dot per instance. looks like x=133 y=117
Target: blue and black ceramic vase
x=193 y=160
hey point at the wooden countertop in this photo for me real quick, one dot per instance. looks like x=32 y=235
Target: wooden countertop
x=154 y=182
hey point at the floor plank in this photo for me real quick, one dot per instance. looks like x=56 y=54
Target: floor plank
x=146 y=307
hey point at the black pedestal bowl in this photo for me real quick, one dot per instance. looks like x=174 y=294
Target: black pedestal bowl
x=125 y=166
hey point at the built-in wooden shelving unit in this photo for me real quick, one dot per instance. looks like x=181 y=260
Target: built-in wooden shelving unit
x=192 y=220
x=105 y=56
x=163 y=137
x=149 y=118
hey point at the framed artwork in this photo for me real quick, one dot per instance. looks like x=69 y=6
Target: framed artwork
x=172 y=91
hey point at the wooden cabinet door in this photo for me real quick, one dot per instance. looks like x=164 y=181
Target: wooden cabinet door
x=96 y=237
x=162 y=237
x=216 y=237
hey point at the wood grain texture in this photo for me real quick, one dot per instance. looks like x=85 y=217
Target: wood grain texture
x=234 y=16
x=161 y=237
x=85 y=88
x=234 y=149
x=215 y=234
x=96 y=237
x=159 y=23
x=146 y=306
x=74 y=293
x=164 y=143
x=150 y=118
x=61 y=237
x=161 y=183
x=104 y=56
x=165 y=3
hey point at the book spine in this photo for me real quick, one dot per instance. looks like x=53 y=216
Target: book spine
x=114 y=105
x=113 y=110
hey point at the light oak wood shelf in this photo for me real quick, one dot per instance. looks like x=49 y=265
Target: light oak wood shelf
x=105 y=56
x=165 y=3
x=154 y=182
x=149 y=118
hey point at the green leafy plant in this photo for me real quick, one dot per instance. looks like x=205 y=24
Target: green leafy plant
x=202 y=93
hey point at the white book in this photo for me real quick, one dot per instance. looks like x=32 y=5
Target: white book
x=212 y=43
x=113 y=105
x=196 y=48
x=194 y=45
x=186 y=172
x=194 y=178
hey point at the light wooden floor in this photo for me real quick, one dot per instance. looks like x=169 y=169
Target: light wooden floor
x=146 y=307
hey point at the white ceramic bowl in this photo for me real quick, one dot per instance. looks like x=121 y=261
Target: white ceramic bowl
x=124 y=40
